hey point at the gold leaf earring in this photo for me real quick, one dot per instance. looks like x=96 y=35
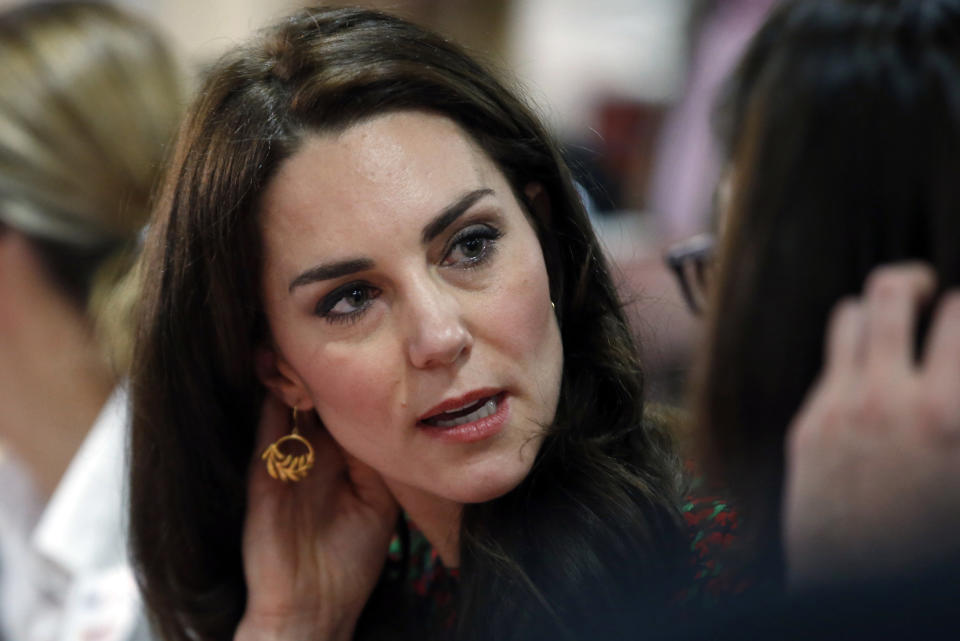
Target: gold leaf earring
x=289 y=466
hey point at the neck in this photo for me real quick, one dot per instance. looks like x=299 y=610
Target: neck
x=53 y=378
x=438 y=519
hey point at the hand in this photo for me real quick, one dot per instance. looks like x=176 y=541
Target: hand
x=870 y=488
x=312 y=551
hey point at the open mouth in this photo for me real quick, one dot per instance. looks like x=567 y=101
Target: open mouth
x=474 y=411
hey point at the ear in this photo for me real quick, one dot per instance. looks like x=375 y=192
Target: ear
x=281 y=379
x=539 y=201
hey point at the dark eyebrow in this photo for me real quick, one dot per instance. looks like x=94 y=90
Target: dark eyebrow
x=445 y=218
x=331 y=270
x=430 y=231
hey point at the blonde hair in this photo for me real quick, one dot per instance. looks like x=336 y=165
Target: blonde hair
x=89 y=98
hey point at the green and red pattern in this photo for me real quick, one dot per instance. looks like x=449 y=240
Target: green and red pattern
x=713 y=527
x=433 y=586
x=711 y=521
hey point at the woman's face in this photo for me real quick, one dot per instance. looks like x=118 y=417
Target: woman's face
x=409 y=304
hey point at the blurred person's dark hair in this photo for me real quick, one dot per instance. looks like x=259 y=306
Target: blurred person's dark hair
x=842 y=127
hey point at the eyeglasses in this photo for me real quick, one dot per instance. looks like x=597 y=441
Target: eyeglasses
x=692 y=261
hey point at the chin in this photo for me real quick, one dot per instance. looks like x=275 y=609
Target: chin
x=488 y=476
x=488 y=488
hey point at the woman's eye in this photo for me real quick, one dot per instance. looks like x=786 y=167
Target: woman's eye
x=472 y=246
x=347 y=303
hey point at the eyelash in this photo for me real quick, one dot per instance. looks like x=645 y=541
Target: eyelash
x=486 y=233
x=325 y=306
x=490 y=236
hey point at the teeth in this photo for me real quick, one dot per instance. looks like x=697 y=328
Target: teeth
x=459 y=409
x=483 y=411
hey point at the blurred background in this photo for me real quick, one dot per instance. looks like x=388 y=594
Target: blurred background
x=627 y=86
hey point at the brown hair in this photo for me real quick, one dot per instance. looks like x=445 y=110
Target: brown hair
x=597 y=511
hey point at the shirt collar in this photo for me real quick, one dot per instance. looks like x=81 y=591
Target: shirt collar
x=82 y=525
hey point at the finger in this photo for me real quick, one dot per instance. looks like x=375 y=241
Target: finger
x=941 y=358
x=265 y=495
x=276 y=505
x=845 y=336
x=263 y=490
x=893 y=296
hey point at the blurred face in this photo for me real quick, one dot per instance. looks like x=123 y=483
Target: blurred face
x=409 y=306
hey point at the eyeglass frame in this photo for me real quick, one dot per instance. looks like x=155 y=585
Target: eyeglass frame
x=699 y=251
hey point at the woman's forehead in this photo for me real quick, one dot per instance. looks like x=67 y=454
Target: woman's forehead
x=373 y=189
x=400 y=159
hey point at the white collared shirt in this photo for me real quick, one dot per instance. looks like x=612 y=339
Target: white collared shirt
x=64 y=574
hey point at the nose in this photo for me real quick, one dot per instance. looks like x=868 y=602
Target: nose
x=438 y=335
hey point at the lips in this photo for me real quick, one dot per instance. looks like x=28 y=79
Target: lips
x=470 y=407
x=473 y=412
x=472 y=418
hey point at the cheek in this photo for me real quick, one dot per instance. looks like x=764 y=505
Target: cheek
x=353 y=388
x=522 y=313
